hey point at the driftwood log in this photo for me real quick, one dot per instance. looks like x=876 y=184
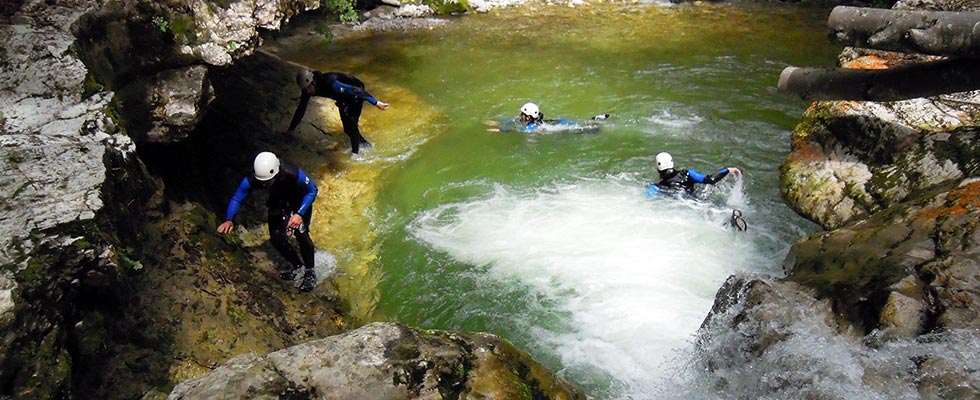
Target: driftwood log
x=899 y=83
x=939 y=33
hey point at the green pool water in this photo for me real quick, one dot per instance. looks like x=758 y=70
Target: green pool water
x=547 y=239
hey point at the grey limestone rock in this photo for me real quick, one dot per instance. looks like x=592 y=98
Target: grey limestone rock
x=383 y=361
x=55 y=138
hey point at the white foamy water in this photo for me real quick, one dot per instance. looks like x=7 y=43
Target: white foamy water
x=634 y=276
x=325 y=265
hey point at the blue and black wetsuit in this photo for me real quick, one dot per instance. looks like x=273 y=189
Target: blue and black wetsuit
x=676 y=181
x=291 y=192
x=350 y=95
x=533 y=124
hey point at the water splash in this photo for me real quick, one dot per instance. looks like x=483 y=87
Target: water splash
x=620 y=267
x=325 y=266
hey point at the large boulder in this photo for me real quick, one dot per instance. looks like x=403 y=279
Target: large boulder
x=73 y=188
x=895 y=182
x=156 y=56
x=882 y=304
x=107 y=289
x=905 y=271
x=383 y=361
x=852 y=159
x=166 y=107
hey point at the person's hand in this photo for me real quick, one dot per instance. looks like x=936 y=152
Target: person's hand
x=225 y=227
x=294 y=221
x=735 y=172
x=382 y=105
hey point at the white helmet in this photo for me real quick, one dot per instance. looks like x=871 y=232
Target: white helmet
x=266 y=166
x=304 y=78
x=530 y=109
x=664 y=161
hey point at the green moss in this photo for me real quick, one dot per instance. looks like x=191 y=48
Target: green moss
x=83 y=244
x=112 y=110
x=523 y=391
x=183 y=29
x=224 y=3
x=962 y=148
x=815 y=116
x=91 y=85
x=52 y=368
x=236 y=315
x=167 y=340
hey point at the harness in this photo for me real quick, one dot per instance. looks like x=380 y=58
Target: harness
x=672 y=179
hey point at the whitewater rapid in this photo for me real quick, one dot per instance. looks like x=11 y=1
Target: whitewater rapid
x=632 y=277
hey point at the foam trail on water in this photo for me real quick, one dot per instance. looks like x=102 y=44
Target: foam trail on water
x=634 y=276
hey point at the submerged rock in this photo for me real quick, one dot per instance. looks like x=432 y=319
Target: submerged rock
x=384 y=361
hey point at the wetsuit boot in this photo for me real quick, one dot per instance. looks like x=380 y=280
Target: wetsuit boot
x=288 y=273
x=309 y=281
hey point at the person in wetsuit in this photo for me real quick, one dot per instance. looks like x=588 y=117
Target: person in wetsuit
x=531 y=116
x=290 y=203
x=683 y=180
x=349 y=93
x=530 y=119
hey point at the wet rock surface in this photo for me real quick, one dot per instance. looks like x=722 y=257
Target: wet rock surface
x=888 y=291
x=383 y=361
x=106 y=288
x=906 y=271
x=767 y=338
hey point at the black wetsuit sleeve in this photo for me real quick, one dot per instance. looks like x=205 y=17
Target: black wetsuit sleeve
x=304 y=101
x=361 y=91
x=712 y=179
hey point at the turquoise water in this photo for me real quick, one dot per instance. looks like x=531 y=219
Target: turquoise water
x=547 y=239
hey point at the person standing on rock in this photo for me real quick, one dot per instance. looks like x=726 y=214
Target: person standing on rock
x=674 y=180
x=290 y=203
x=349 y=93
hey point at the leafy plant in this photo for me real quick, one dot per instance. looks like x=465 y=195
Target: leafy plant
x=127 y=261
x=343 y=8
x=161 y=23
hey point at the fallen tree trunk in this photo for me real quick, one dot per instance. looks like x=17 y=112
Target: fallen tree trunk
x=899 y=83
x=941 y=33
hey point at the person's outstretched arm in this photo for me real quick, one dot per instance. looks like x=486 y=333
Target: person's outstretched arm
x=714 y=178
x=233 y=205
x=358 y=87
x=304 y=101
